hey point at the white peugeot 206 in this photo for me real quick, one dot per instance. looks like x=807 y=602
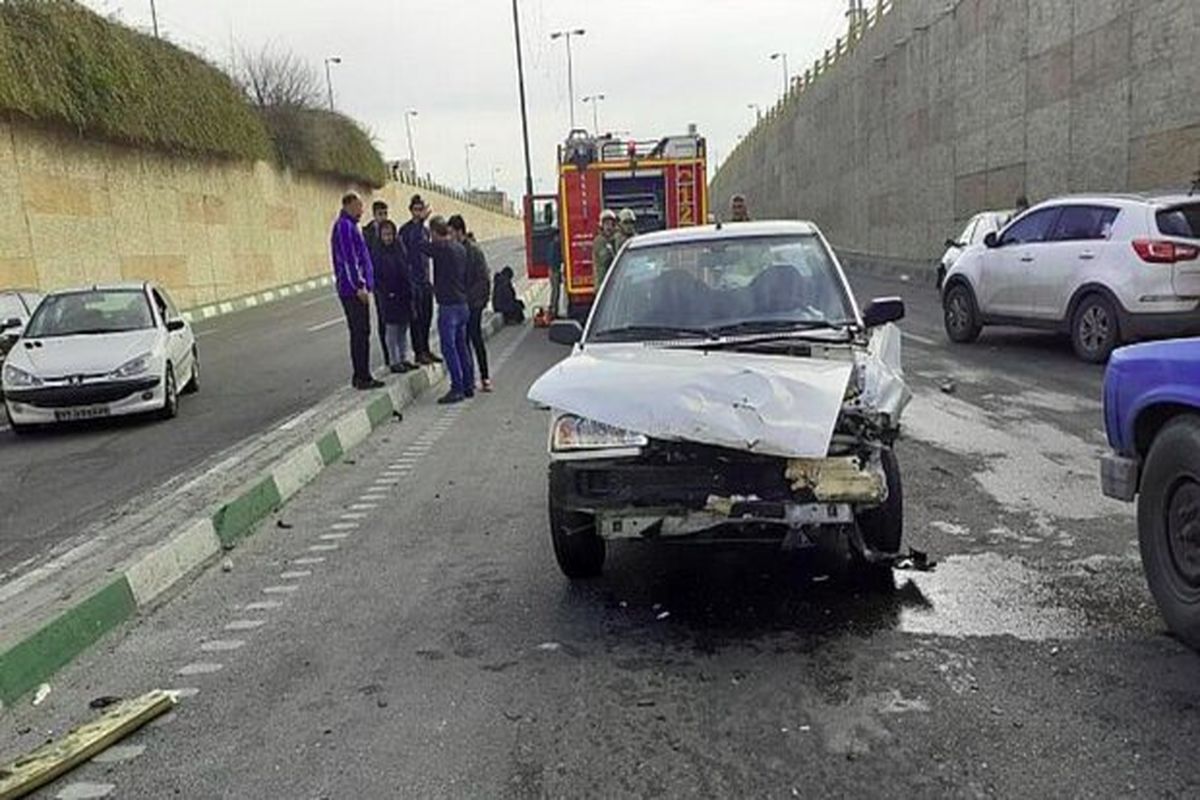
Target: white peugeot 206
x=100 y=352
x=727 y=388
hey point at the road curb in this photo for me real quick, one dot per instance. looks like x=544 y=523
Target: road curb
x=223 y=307
x=50 y=646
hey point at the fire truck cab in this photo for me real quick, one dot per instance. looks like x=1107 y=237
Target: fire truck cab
x=664 y=182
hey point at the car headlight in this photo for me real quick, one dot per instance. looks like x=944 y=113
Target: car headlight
x=133 y=367
x=17 y=378
x=576 y=433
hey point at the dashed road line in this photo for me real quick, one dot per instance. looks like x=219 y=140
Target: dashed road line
x=344 y=526
x=333 y=537
x=311 y=560
x=295 y=574
x=262 y=605
x=322 y=548
x=246 y=624
x=81 y=790
x=185 y=692
x=222 y=645
x=118 y=753
x=201 y=668
x=287 y=589
x=354 y=515
x=327 y=324
x=919 y=339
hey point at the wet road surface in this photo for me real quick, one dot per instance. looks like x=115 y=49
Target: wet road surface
x=406 y=631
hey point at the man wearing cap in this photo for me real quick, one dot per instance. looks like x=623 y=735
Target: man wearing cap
x=414 y=236
x=604 y=249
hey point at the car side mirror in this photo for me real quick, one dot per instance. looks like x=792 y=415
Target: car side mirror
x=953 y=244
x=883 y=310
x=566 y=331
x=991 y=241
x=176 y=325
x=10 y=323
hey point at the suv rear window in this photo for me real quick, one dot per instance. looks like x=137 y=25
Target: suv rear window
x=1181 y=221
x=1083 y=223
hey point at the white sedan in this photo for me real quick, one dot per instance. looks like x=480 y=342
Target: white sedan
x=976 y=231
x=100 y=352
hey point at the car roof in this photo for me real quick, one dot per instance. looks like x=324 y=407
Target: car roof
x=1138 y=198
x=727 y=230
x=119 y=286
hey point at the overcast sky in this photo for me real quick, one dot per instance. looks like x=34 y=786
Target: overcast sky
x=660 y=63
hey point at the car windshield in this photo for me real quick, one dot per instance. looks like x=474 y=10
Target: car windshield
x=91 y=312
x=707 y=288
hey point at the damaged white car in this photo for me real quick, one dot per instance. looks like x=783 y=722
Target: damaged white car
x=727 y=388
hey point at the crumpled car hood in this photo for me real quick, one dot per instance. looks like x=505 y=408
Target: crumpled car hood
x=775 y=405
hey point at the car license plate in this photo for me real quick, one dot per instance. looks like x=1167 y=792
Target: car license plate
x=76 y=414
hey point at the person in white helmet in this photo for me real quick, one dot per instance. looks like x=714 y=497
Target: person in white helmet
x=605 y=247
x=626 y=227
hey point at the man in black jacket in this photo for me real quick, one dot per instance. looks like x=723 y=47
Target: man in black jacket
x=479 y=290
x=414 y=236
x=370 y=231
x=450 y=290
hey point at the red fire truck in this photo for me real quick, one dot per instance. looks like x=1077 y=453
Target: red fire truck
x=664 y=182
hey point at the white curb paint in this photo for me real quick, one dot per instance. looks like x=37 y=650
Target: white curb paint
x=353 y=429
x=159 y=569
x=301 y=466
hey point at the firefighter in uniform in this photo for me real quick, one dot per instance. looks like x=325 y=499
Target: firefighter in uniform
x=605 y=248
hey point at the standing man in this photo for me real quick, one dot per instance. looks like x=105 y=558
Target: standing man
x=450 y=289
x=479 y=289
x=416 y=240
x=379 y=215
x=353 y=274
x=554 y=258
x=604 y=249
x=626 y=227
x=738 y=210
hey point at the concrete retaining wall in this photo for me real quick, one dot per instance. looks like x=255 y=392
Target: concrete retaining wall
x=75 y=212
x=947 y=108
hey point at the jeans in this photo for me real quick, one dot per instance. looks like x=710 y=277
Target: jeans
x=452 y=329
x=358 y=320
x=475 y=335
x=395 y=335
x=422 y=320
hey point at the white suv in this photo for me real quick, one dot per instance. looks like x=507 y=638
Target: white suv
x=1106 y=269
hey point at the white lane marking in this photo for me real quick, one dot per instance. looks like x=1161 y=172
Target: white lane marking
x=118 y=753
x=210 y=332
x=323 y=325
x=222 y=645
x=184 y=692
x=364 y=506
x=201 y=668
x=322 y=548
x=353 y=515
x=308 y=561
x=373 y=497
x=386 y=482
x=245 y=624
x=81 y=790
x=315 y=300
x=919 y=339
x=344 y=526
x=295 y=575
x=299 y=418
x=219 y=467
x=279 y=589
x=262 y=605
x=333 y=537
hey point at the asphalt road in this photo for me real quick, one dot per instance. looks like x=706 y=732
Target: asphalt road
x=260 y=367
x=404 y=631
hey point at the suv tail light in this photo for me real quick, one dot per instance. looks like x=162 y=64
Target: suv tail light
x=1154 y=251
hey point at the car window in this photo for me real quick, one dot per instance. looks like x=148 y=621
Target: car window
x=97 y=311
x=1083 y=223
x=31 y=301
x=1182 y=221
x=1032 y=227
x=10 y=307
x=968 y=234
x=172 y=309
x=742 y=281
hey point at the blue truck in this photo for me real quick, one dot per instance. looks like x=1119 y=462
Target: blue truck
x=1152 y=417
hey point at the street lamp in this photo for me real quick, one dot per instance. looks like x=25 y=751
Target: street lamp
x=570 y=66
x=329 y=77
x=756 y=108
x=595 y=99
x=787 y=76
x=495 y=175
x=154 y=18
x=521 y=91
x=412 y=153
x=468 y=148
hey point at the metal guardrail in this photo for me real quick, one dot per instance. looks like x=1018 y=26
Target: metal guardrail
x=456 y=194
x=844 y=46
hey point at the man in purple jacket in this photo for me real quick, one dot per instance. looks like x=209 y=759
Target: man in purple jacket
x=354 y=275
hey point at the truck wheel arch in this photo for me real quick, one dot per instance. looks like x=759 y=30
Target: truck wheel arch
x=1152 y=419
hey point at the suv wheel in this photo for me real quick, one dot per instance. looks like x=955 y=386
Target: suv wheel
x=1094 y=329
x=960 y=315
x=1169 y=526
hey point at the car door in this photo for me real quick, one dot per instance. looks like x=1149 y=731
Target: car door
x=1005 y=268
x=1072 y=255
x=179 y=341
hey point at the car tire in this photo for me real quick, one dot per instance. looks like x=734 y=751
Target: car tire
x=19 y=429
x=578 y=548
x=960 y=315
x=1095 y=329
x=1169 y=526
x=170 y=408
x=882 y=528
x=193 y=385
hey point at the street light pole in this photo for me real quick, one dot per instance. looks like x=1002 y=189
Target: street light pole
x=521 y=87
x=787 y=76
x=329 y=77
x=412 y=153
x=757 y=109
x=570 y=66
x=154 y=18
x=594 y=100
x=468 y=148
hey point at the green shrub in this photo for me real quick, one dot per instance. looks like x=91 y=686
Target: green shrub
x=325 y=143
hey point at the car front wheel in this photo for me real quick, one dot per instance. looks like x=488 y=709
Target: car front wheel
x=1169 y=526
x=1094 y=329
x=170 y=408
x=960 y=315
x=578 y=548
x=193 y=385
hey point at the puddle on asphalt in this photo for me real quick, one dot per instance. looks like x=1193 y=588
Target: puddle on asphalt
x=985 y=595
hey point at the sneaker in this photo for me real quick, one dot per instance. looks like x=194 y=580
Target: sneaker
x=450 y=398
x=425 y=359
x=366 y=386
x=409 y=366
x=434 y=359
x=487 y=385
x=397 y=369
